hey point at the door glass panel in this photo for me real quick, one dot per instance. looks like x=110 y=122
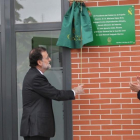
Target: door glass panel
x=37 y=11
x=0 y=94
x=24 y=43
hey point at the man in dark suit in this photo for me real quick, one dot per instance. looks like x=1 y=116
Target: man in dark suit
x=38 y=119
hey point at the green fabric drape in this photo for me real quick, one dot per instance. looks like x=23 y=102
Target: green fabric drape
x=76 y=28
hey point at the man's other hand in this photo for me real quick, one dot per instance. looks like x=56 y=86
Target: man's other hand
x=134 y=87
x=79 y=90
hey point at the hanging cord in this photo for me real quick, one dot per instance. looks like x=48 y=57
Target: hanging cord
x=81 y=48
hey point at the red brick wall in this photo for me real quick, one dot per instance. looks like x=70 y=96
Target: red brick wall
x=108 y=110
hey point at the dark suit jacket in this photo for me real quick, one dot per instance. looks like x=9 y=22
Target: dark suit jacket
x=138 y=95
x=38 y=93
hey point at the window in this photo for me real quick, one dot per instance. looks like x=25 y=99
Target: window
x=34 y=11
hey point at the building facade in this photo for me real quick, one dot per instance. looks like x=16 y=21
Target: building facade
x=108 y=109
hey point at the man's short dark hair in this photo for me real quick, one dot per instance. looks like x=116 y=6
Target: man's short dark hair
x=35 y=55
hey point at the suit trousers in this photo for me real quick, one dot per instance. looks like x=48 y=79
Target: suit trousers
x=36 y=138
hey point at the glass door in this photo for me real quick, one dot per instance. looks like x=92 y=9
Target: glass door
x=20 y=22
x=0 y=94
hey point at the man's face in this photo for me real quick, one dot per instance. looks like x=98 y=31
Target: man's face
x=45 y=61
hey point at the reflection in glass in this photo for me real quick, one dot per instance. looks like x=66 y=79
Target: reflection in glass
x=24 y=44
x=34 y=11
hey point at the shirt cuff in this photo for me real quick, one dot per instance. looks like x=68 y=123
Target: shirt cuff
x=73 y=92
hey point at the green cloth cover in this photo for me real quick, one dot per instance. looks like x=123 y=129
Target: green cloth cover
x=76 y=25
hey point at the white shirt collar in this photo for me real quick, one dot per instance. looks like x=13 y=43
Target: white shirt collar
x=40 y=71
